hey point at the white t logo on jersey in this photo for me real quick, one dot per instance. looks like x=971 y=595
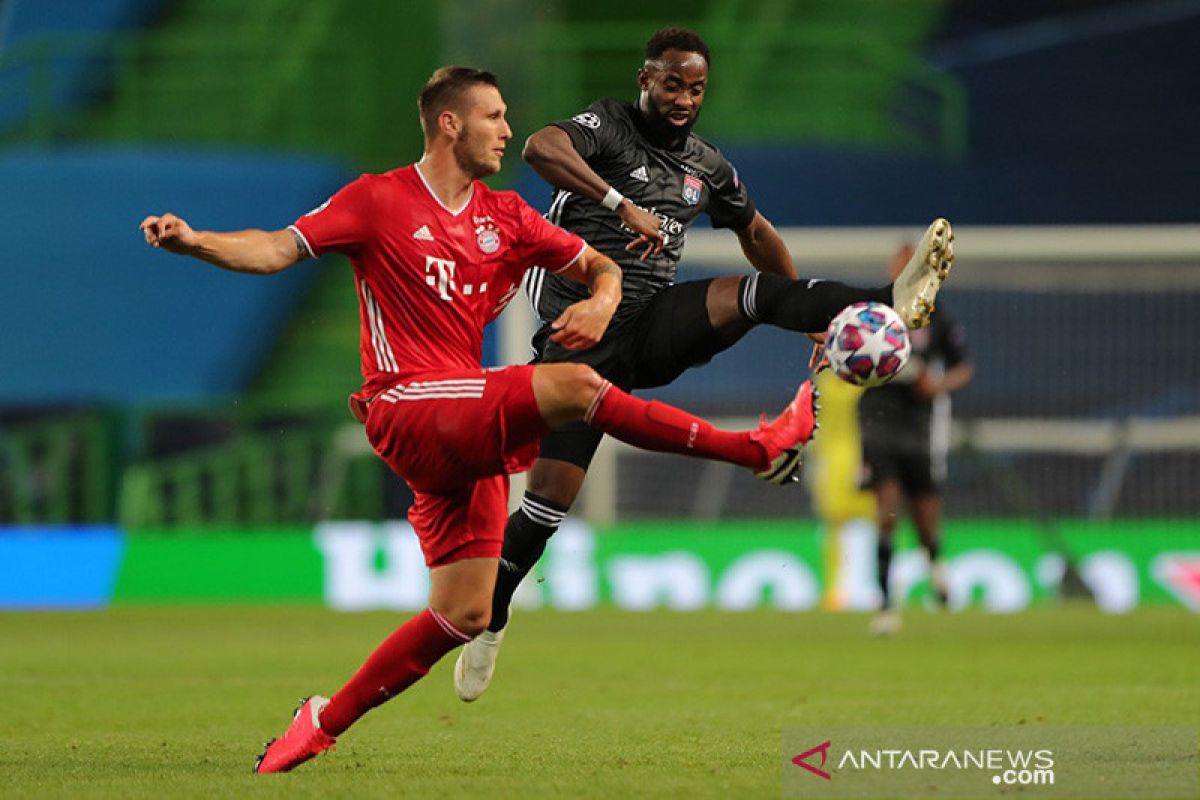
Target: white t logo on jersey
x=439 y=273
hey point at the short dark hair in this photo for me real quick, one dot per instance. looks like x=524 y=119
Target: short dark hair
x=445 y=89
x=676 y=39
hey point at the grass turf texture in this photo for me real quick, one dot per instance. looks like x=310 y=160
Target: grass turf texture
x=174 y=702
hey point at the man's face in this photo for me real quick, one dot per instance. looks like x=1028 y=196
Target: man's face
x=483 y=132
x=673 y=90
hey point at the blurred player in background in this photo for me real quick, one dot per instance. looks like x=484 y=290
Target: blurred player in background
x=905 y=427
x=631 y=178
x=437 y=255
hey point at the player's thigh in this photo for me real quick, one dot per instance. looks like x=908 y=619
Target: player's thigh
x=567 y=450
x=461 y=524
x=442 y=430
x=915 y=471
x=611 y=357
x=880 y=462
x=675 y=333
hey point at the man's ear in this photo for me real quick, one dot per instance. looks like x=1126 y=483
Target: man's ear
x=449 y=123
x=644 y=76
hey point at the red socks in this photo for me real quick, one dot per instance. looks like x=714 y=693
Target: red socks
x=652 y=425
x=402 y=659
x=407 y=655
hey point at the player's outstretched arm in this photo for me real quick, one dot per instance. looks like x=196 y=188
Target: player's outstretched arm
x=928 y=386
x=253 y=251
x=553 y=156
x=765 y=249
x=581 y=325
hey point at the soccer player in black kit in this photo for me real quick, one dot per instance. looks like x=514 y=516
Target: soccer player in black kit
x=630 y=179
x=905 y=434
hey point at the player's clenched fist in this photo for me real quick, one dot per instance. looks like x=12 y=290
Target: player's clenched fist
x=168 y=232
x=581 y=325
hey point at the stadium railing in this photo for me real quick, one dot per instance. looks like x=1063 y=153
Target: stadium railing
x=320 y=95
x=58 y=470
x=265 y=471
x=163 y=88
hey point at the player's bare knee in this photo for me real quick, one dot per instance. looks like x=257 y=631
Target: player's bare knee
x=589 y=381
x=578 y=384
x=565 y=391
x=473 y=620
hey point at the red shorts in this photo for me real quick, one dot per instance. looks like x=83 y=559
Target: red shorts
x=455 y=436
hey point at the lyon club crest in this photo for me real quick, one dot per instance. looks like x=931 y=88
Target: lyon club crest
x=488 y=238
x=691 y=189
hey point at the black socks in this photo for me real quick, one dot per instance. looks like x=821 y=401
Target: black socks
x=525 y=537
x=806 y=305
x=883 y=557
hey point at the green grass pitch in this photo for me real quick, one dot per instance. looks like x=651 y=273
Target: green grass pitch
x=175 y=702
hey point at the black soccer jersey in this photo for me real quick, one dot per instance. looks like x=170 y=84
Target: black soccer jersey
x=893 y=414
x=677 y=185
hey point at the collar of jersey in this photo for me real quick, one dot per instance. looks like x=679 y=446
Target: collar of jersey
x=438 y=200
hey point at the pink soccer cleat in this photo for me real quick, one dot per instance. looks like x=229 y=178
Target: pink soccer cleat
x=302 y=741
x=784 y=437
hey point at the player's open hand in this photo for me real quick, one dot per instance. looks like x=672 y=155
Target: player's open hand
x=581 y=325
x=169 y=232
x=650 y=238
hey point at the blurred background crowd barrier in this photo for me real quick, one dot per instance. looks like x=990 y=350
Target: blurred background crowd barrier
x=1058 y=136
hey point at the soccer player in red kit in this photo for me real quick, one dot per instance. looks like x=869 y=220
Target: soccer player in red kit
x=437 y=255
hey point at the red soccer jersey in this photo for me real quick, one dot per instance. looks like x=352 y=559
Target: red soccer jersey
x=430 y=278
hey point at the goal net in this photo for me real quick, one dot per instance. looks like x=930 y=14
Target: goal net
x=1086 y=397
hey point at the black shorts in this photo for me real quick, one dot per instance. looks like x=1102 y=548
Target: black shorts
x=649 y=347
x=912 y=468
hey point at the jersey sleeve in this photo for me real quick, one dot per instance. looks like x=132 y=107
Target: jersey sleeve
x=545 y=245
x=340 y=224
x=593 y=131
x=730 y=205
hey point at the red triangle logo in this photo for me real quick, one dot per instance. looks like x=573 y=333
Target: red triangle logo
x=823 y=749
x=1179 y=574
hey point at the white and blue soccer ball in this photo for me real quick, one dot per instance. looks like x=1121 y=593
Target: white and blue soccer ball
x=867 y=344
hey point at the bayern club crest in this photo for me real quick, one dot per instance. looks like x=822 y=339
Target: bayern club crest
x=691 y=189
x=488 y=238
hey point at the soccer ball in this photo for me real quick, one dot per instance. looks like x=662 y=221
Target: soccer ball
x=867 y=344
